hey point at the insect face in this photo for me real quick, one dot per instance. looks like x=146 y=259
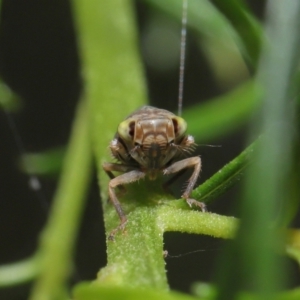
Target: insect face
x=152 y=137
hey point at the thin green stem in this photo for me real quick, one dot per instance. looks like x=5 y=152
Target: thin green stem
x=58 y=238
x=225 y=178
x=19 y=272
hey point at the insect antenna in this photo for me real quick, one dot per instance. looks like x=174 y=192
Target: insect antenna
x=207 y=145
x=182 y=54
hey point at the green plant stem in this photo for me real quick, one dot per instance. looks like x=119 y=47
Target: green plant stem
x=58 y=238
x=112 y=71
x=19 y=272
x=135 y=258
x=86 y=291
x=171 y=219
x=225 y=178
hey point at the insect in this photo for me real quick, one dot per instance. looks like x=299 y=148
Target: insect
x=148 y=142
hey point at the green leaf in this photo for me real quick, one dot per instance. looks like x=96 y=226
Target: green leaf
x=8 y=100
x=224 y=114
x=228 y=21
x=46 y=163
x=246 y=26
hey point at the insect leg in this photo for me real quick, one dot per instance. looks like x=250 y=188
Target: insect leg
x=109 y=167
x=178 y=166
x=129 y=177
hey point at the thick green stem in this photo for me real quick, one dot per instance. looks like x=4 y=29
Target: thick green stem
x=135 y=258
x=171 y=219
x=112 y=71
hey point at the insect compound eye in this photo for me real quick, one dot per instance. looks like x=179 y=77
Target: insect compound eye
x=180 y=126
x=126 y=129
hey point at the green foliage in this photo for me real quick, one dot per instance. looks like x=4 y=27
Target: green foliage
x=47 y=163
x=114 y=87
x=224 y=114
x=8 y=100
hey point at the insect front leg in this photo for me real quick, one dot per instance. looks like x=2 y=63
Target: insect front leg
x=178 y=166
x=130 y=176
x=110 y=167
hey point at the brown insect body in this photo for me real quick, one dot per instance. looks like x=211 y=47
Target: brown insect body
x=148 y=142
x=150 y=138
